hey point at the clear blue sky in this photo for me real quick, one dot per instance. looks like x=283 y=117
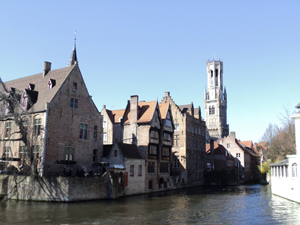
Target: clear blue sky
x=146 y=48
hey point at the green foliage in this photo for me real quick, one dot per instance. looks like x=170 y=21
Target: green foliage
x=265 y=167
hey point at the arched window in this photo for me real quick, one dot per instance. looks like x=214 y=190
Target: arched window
x=217 y=77
x=294 y=170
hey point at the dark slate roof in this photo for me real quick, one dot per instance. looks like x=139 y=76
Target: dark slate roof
x=130 y=151
x=40 y=84
x=106 y=150
x=284 y=162
x=185 y=108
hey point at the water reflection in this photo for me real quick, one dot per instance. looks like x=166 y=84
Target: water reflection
x=229 y=205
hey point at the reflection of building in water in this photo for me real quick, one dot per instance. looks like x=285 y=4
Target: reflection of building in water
x=285 y=180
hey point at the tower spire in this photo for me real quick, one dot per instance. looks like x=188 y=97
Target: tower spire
x=73 y=58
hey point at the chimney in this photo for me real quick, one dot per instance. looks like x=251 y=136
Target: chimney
x=212 y=147
x=232 y=135
x=47 y=68
x=134 y=99
x=167 y=93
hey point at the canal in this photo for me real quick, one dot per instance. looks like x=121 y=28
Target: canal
x=253 y=204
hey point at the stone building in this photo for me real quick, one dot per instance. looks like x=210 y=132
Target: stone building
x=219 y=159
x=215 y=100
x=126 y=161
x=189 y=142
x=248 y=159
x=107 y=117
x=148 y=125
x=63 y=126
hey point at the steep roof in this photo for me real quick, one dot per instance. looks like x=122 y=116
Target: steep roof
x=116 y=114
x=145 y=114
x=185 y=108
x=128 y=150
x=163 y=108
x=219 y=150
x=41 y=85
x=248 y=144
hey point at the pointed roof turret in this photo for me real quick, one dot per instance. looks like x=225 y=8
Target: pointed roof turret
x=73 y=58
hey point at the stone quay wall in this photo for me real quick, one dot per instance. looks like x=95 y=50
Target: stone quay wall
x=61 y=189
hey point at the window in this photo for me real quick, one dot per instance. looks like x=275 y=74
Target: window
x=25 y=125
x=165 y=151
x=74 y=86
x=153 y=149
x=6 y=151
x=294 y=170
x=115 y=153
x=167 y=137
x=150 y=184
x=83 y=131
x=217 y=77
x=151 y=167
x=176 y=139
x=176 y=163
x=104 y=136
x=69 y=153
x=140 y=170
x=95 y=133
x=238 y=155
x=37 y=127
x=104 y=124
x=74 y=103
x=120 y=119
x=36 y=151
x=176 y=127
x=7 y=129
x=154 y=135
x=168 y=123
x=228 y=145
x=164 y=167
x=132 y=170
x=23 y=152
x=95 y=153
x=211 y=110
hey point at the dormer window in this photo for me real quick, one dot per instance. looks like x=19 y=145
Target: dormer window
x=30 y=87
x=74 y=86
x=51 y=84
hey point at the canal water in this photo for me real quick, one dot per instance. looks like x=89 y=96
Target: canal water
x=253 y=204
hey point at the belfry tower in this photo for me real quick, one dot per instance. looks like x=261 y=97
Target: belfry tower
x=215 y=101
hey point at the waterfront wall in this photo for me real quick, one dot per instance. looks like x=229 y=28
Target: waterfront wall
x=288 y=188
x=62 y=189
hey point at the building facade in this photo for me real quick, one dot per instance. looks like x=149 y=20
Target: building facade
x=189 y=142
x=54 y=124
x=248 y=159
x=215 y=101
x=149 y=126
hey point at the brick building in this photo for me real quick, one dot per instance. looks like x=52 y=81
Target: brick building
x=249 y=160
x=189 y=142
x=148 y=125
x=62 y=122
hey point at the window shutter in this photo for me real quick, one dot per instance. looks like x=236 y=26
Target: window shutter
x=126 y=179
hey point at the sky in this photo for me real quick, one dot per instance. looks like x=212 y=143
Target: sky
x=146 y=48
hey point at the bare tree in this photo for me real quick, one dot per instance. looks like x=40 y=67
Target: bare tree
x=17 y=132
x=281 y=141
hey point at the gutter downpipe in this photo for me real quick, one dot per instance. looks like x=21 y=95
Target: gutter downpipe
x=44 y=141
